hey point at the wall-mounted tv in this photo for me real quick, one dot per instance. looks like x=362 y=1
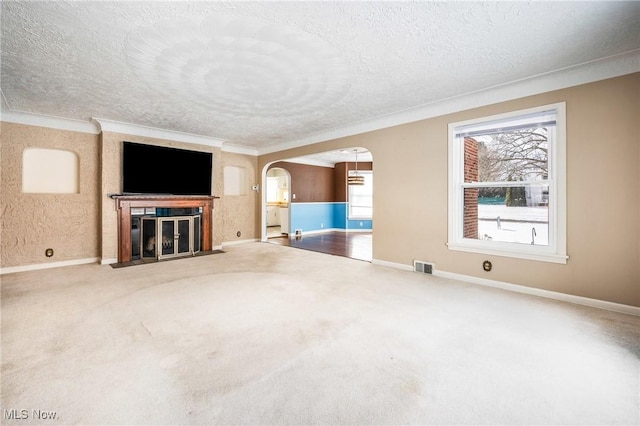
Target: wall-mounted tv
x=151 y=169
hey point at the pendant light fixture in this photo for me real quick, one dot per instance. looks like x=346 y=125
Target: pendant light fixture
x=356 y=178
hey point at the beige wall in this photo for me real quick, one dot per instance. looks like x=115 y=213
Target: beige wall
x=84 y=225
x=410 y=202
x=239 y=211
x=230 y=213
x=603 y=193
x=31 y=223
x=111 y=155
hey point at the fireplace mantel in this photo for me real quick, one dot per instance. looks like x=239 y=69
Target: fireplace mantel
x=124 y=204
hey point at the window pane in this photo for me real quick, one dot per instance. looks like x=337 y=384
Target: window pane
x=361 y=211
x=361 y=196
x=521 y=155
x=507 y=214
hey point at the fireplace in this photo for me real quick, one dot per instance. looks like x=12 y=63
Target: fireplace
x=167 y=225
x=168 y=236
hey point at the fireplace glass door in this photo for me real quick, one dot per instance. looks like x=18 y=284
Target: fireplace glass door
x=183 y=237
x=163 y=237
x=197 y=234
x=148 y=227
x=178 y=235
x=167 y=228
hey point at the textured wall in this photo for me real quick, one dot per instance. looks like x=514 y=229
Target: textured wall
x=111 y=155
x=230 y=214
x=239 y=211
x=31 y=223
x=603 y=193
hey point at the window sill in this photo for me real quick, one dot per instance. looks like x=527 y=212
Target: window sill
x=528 y=255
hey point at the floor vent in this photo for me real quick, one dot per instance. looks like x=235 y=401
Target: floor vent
x=423 y=267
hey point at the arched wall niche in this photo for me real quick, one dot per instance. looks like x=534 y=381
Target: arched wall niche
x=50 y=171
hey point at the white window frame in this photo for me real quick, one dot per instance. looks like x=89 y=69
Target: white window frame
x=368 y=175
x=556 y=250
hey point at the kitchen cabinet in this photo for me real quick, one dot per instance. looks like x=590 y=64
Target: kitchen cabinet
x=273 y=215
x=284 y=220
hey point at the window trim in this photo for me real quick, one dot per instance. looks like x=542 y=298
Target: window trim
x=349 y=204
x=556 y=251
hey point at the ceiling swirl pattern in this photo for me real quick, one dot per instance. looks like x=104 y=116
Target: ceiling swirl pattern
x=239 y=66
x=270 y=74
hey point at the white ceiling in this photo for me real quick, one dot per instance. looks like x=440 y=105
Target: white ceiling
x=271 y=74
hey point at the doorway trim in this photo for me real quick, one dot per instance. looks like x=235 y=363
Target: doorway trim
x=263 y=200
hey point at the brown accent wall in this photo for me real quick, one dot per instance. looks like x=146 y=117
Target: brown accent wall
x=340 y=182
x=31 y=223
x=340 y=177
x=603 y=193
x=309 y=183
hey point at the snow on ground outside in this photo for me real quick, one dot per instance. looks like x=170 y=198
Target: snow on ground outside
x=531 y=224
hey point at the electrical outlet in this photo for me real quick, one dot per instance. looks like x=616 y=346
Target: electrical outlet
x=48 y=252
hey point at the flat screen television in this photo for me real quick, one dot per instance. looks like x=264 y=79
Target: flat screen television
x=150 y=169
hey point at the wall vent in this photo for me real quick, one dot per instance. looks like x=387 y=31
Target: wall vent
x=422 y=267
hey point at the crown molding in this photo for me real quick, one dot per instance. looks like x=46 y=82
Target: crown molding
x=237 y=149
x=52 y=122
x=309 y=162
x=601 y=69
x=153 y=132
x=588 y=72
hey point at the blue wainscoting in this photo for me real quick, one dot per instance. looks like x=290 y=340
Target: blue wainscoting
x=360 y=224
x=340 y=215
x=311 y=217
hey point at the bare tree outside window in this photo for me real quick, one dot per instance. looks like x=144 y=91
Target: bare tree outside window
x=518 y=155
x=504 y=157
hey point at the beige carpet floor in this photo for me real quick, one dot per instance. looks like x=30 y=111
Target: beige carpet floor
x=265 y=334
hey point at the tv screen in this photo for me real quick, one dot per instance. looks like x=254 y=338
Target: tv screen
x=150 y=169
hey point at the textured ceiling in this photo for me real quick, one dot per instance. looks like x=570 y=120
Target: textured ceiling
x=260 y=74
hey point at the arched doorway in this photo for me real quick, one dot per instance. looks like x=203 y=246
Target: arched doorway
x=326 y=213
x=277 y=192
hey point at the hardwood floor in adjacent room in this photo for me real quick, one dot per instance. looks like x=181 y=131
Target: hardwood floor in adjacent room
x=355 y=245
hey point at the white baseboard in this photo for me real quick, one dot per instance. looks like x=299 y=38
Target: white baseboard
x=108 y=261
x=234 y=243
x=322 y=231
x=315 y=231
x=392 y=265
x=578 y=300
x=25 y=268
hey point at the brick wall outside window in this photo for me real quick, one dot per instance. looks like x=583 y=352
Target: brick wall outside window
x=470 y=220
